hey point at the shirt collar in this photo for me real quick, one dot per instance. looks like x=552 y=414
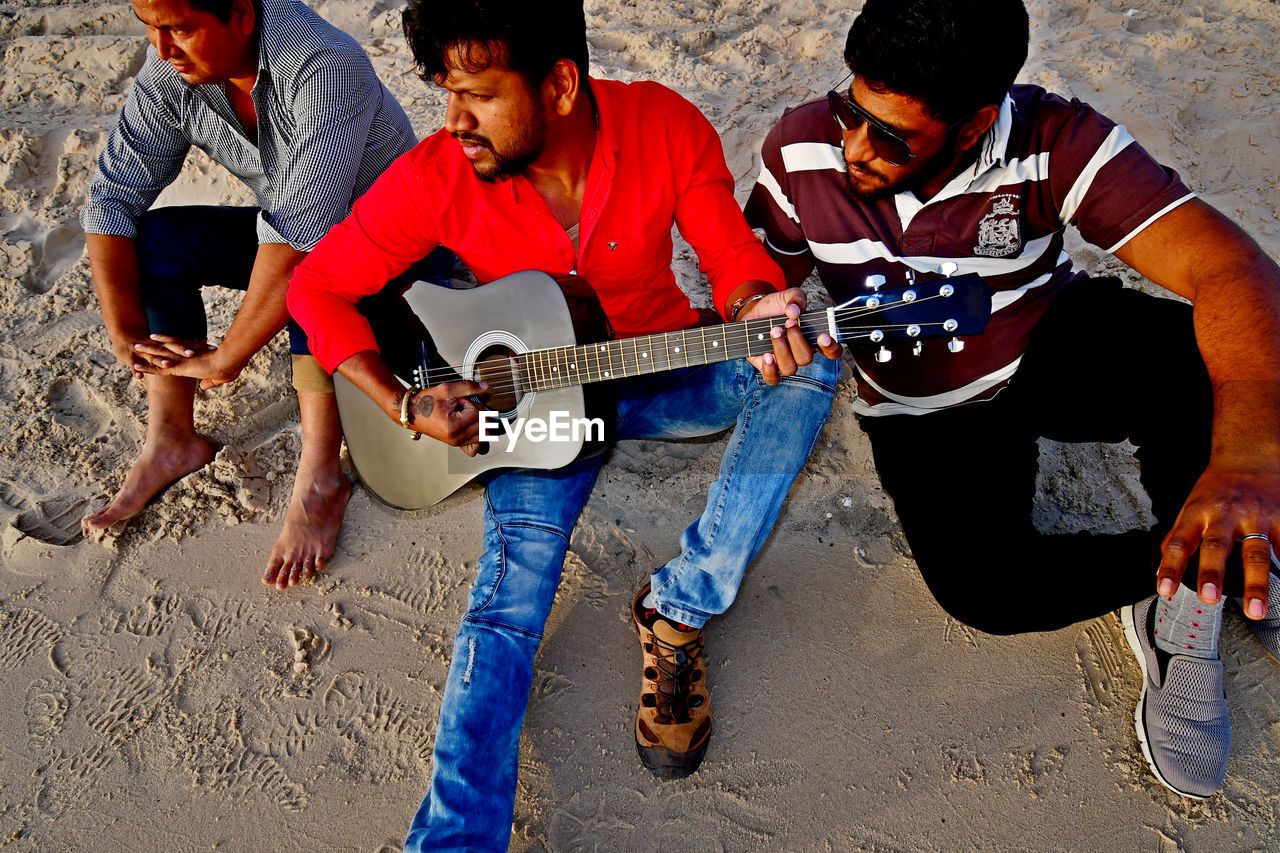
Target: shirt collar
x=607 y=140
x=271 y=14
x=994 y=146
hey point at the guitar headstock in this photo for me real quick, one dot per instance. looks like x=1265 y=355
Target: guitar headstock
x=946 y=306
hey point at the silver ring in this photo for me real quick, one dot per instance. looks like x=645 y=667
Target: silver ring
x=1261 y=536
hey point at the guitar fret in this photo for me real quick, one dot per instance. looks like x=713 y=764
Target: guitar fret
x=571 y=365
x=650 y=354
x=553 y=359
x=607 y=371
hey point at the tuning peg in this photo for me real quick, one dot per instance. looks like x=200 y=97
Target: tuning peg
x=949 y=268
x=883 y=355
x=911 y=278
x=875 y=282
x=955 y=345
x=918 y=349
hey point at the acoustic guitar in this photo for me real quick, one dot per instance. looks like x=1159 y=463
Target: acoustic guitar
x=517 y=334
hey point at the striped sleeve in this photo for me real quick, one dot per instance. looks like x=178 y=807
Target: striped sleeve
x=770 y=207
x=1105 y=183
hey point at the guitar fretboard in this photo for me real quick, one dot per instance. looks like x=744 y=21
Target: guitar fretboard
x=561 y=367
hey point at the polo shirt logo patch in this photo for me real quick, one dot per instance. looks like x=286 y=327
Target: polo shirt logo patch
x=998 y=234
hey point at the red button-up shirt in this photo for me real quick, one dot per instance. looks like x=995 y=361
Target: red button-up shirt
x=657 y=162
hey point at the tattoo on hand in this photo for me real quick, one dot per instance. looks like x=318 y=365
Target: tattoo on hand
x=423 y=405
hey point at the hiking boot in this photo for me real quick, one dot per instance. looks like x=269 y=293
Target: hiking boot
x=673 y=725
x=1182 y=715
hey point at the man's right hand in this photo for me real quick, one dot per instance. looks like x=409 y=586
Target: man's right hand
x=160 y=352
x=447 y=413
x=128 y=348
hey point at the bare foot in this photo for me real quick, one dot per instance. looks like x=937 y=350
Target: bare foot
x=310 y=529
x=161 y=464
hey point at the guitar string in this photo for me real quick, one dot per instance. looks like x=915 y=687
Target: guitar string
x=549 y=381
x=814 y=322
x=733 y=349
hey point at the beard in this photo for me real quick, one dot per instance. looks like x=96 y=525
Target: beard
x=879 y=186
x=515 y=157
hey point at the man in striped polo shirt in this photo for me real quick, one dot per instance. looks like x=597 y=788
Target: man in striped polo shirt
x=928 y=159
x=292 y=107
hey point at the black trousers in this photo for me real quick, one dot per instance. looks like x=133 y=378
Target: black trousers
x=1106 y=364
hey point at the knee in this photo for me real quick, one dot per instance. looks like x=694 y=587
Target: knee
x=969 y=601
x=988 y=619
x=518 y=576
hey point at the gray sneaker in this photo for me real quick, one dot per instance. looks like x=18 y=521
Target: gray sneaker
x=1181 y=716
x=1267 y=629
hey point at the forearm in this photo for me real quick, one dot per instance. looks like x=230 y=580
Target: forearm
x=1198 y=253
x=1237 y=325
x=263 y=312
x=370 y=374
x=114 y=263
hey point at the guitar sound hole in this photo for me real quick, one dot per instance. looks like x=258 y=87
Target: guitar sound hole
x=495 y=366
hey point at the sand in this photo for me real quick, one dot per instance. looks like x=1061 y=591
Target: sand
x=157 y=696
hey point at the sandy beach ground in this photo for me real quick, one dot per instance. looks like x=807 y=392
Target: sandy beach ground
x=155 y=696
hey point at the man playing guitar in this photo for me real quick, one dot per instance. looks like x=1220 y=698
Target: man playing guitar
x=540 y=167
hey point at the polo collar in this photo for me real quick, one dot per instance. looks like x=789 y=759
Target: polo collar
x=994 y=145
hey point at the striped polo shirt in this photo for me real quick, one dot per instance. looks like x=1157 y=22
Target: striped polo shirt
x=1045 y=164
x=327 y=128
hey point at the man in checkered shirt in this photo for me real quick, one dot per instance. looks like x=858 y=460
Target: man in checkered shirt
x=292 y=107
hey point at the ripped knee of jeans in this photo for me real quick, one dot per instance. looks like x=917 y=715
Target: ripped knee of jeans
x=471 y=661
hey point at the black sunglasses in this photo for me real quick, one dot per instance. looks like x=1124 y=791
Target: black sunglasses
x=885 y=141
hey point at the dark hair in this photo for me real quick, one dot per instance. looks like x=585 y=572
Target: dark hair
x=221 y=9
x=528 y=36
x=955 y=56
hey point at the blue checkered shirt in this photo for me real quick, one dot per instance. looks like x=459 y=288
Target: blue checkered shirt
x=327 y=128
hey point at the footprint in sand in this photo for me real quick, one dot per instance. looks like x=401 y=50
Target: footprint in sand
x=37 y=257
x=76 y=407
x=54 y=520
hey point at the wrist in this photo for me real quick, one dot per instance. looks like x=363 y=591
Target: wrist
x=406 y=411
x=741 y=305
x=743 y=295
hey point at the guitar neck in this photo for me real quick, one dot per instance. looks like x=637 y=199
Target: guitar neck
x=561 y=367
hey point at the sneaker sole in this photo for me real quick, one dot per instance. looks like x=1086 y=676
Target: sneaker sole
x=665 y=764
x=1139 y=721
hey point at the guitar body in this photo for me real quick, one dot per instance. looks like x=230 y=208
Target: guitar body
x=519 y=313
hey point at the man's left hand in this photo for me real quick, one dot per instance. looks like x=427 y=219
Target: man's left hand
x=790 y=348
x=170 y=356
x=1224 y=507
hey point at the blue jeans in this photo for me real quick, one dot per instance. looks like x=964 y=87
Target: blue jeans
x=529 y=516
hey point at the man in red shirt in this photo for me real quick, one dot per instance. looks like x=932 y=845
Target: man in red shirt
x=540 y=167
